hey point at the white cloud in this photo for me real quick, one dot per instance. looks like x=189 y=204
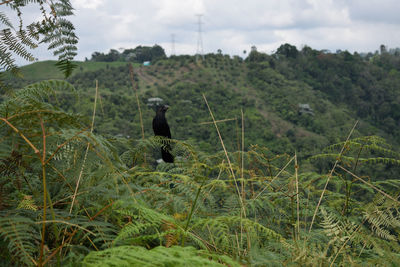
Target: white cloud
x=236 y=25
x=176 y=12
x=384 y=11
x=89 y=4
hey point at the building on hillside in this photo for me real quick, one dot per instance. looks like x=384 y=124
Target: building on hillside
x=305 y=109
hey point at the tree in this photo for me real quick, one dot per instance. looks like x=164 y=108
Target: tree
x=287 y=50
x=51 y=28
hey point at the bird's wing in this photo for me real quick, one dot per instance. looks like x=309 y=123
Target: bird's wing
x=168 y=132
x=160 y=127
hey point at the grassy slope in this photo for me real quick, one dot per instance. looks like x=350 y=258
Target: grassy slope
x=272 y=102
x=270 y=106
x=44 y=70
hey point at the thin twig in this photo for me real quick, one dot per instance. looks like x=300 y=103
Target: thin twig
x=330 y=175
x=67 y=223
x=44 y=193
x=22 y=135
x=57 y=250
x=31 y=112
x=226 y=153
x=242 y=176
x=137 y=98
x=6 y=2
x=101 y=211
x=87 y=150
x=287 y=164
x=138 y=104
x=241 y=201
x=296 y=167
x=369 y=184
x=242 y=169
x=65 y=198
x=63 y=144
x=218 y=121
x=191 y=212
x=347 y=240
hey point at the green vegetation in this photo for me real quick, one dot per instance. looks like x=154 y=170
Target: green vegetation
x=269 y=89
x=44 y=70
x=79 y=185
x=139 y=54
x=50 y=27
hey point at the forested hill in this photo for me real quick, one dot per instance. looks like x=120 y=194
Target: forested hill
x=272 y=90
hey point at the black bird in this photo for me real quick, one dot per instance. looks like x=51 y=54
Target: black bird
x=161 y=128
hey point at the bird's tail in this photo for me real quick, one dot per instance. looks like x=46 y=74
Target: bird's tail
x=166 y=155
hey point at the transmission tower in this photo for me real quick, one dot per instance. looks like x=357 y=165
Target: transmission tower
x=199 y=51
x=172 y=44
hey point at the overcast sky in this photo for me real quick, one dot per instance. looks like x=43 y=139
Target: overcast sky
x=235 y=25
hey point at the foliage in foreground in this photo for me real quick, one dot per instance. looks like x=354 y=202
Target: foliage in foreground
x=51 y=27
x=70 y=197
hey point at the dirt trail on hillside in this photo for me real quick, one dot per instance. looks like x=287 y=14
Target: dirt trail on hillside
x=142 y=75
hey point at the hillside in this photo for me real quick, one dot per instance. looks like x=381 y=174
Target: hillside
x=269 y=96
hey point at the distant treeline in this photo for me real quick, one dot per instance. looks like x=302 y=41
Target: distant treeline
x=139 y=54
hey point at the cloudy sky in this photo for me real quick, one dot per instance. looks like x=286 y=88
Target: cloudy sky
x=235 y=25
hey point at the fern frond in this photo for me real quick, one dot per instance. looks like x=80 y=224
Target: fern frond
x=22 y=235
x=66 y=66
x=53 y=28
x=26 y=39
x=27 y=203
x=5 y=20
x=159 y=256
x=382 y=218
x=381 y=160
x=221 y=231
x=7 y=62
x=14 y=45
x=63 y=8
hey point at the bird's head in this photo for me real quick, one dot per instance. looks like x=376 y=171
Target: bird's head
x=162 y=108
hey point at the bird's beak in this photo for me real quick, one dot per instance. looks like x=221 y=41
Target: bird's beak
x=166 y=107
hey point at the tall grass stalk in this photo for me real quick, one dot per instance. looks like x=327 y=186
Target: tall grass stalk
x=276 y=176
x=369 y=184
x=138 y=104
x=330 y=175
x=87 y=149
x=296 y=169
x=242 y=176
x=191 y=212
x=226 y=153
x=241 y=200
x=83 y=163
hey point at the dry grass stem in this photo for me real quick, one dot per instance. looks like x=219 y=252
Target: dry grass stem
x=279 y=173
x=242 y=169
x=296 y=169
x=138 y=104
x=67 y=223
x=87 y=150
x=226 y=153
x=137 y=98
x=369 y=184
x=347 y=240
x=330 y=175
x=218 y=121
